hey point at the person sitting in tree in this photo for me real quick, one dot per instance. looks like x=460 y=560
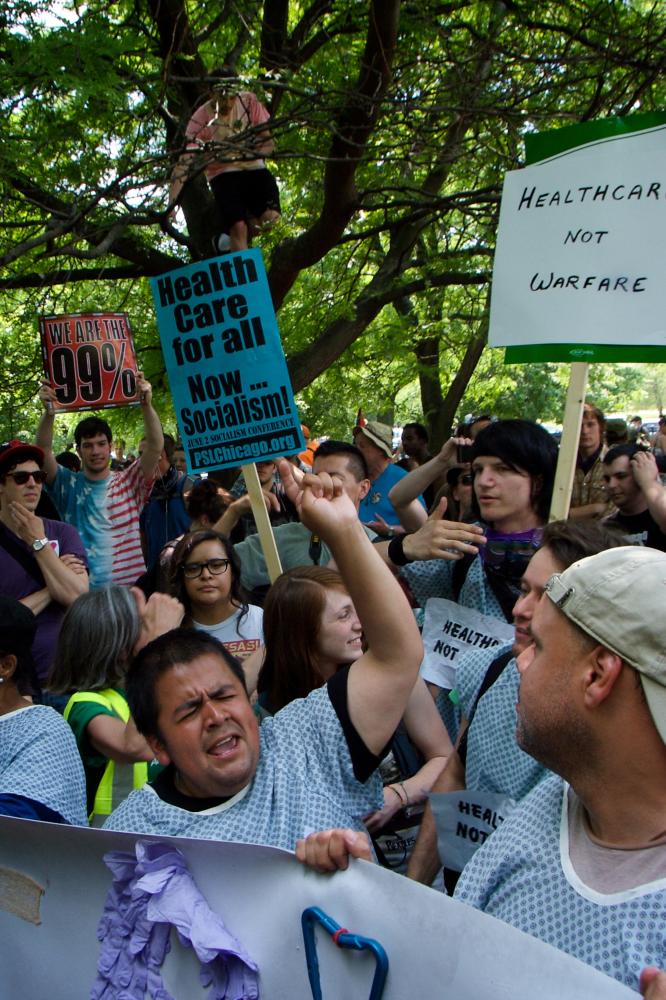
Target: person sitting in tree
x=227 y=128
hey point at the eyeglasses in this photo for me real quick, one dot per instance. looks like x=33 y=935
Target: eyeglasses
x=21 y=478
x=214 y=566
x=466 y=480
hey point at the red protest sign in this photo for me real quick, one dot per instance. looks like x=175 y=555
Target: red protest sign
x=89 y=359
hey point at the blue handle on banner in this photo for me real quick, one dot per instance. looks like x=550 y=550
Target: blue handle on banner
x=343 y=939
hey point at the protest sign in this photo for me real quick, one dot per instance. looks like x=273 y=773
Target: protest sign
x=228 y=376
x=578 y=270
x=54 y=884
x=464 y=821
x=89 y=360
x=449 y=631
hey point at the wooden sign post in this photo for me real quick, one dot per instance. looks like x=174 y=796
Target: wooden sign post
x=566 y=460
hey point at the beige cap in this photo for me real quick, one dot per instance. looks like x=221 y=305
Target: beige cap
x=381 y=435
x=618 y=597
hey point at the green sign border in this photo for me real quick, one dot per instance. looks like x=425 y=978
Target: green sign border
x=540 y=146
x=590 y=353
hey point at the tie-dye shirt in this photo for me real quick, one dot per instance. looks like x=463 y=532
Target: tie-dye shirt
x=106 y=514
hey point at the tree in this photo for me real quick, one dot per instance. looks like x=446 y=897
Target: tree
x=394 y=124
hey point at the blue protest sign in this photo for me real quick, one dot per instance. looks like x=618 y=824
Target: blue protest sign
x=229 y=380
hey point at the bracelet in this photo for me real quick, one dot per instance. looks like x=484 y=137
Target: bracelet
x=405 y=793
x=396 y=552
x=395 y=791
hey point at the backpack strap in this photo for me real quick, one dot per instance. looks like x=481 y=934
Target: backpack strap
x=492 y=673
x=459 y=574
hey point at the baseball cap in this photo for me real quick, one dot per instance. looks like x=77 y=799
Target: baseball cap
x=617 y=597
x=381 y=435
x=15 y=451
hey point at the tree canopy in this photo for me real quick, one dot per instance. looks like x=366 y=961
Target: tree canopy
x=394 y=124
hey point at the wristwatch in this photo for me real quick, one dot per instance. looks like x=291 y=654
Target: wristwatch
x=39 y=544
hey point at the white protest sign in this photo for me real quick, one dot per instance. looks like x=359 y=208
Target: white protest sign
x=449 y=631
x=436 y=946
x=581 y=247
x=464 y=822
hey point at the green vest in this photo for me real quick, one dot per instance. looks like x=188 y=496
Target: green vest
x=117 y=782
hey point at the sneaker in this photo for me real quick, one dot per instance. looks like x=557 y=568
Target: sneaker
x=222 y=243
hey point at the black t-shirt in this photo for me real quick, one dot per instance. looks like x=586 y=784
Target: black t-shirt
x=641 y=528
x=363 y=761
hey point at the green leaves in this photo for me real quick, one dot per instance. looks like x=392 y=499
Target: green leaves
x=394 y=124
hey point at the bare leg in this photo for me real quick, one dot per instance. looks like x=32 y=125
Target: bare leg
x=265 y=221
x=268 y=218
x=238 y=237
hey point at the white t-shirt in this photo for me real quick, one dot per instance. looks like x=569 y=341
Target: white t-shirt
x=239 y=640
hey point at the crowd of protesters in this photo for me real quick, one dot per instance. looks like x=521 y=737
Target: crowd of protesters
x=154 y=680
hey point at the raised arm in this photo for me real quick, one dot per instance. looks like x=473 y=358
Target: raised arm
x=152 y=427
x=416 y=481
x=180 y=174
x=44 y=437
x=646 y=475
x=412 y=515
x=380 y=682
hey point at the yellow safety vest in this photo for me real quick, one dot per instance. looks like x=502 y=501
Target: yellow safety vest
x=116 y=782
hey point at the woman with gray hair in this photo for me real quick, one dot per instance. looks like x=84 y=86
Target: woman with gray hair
x=100 y=633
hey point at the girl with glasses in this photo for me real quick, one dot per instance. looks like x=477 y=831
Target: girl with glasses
x=205 y=577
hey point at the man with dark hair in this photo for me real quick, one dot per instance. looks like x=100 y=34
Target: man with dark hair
x=513 y=468
x=415 y=444
x=312 y=765
x=415 y=451
x=104 y=506
x=632 y=482
x=487 y=758
x=42 y=562
x=581 y=863
x=588 y=498
x=296 y=545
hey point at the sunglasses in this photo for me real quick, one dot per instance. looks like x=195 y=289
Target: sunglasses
x=214 y=566
x=21 y=478
x=508 y=558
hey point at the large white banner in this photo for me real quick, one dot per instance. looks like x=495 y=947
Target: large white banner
x=54 y=883
x=581 y=247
